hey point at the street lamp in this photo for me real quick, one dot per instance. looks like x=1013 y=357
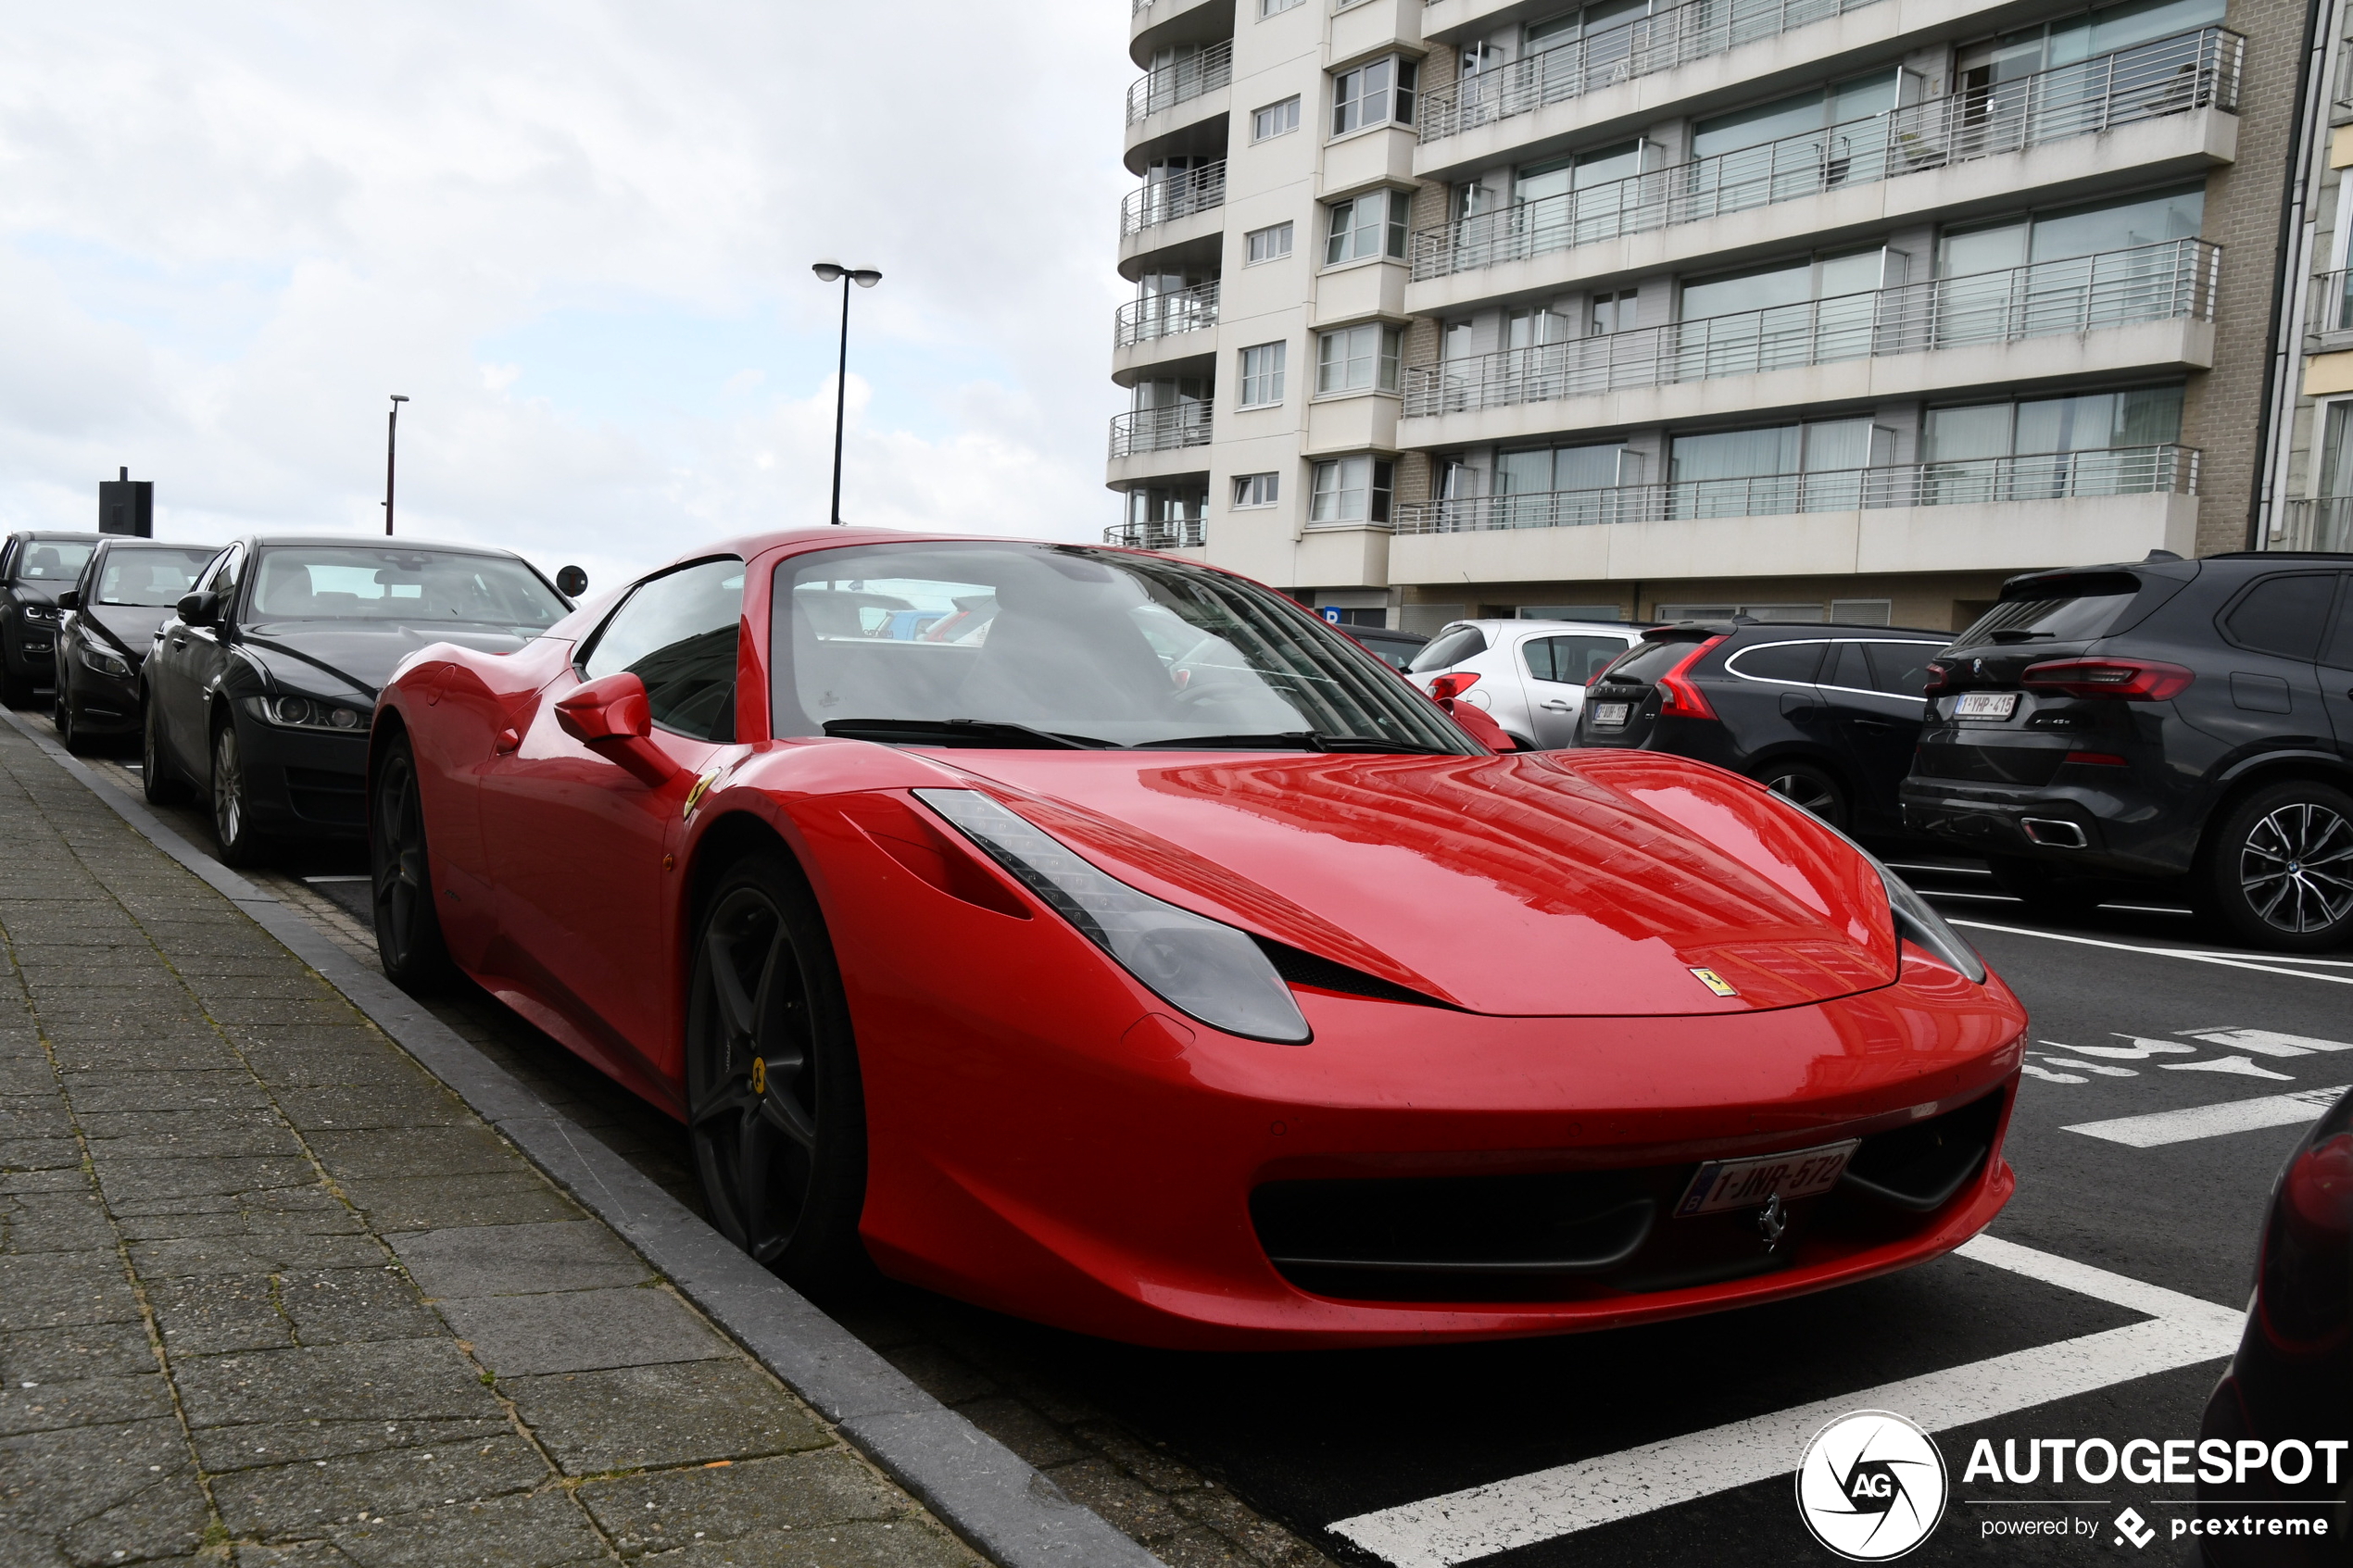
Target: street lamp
x=865 y=278
x=392 y=448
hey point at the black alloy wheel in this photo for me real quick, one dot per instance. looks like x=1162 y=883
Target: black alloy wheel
x=232 y=829
x=158 y=782
x=774 y=1107
x=2279 y=868
x=1803 y=784
x=408 y=940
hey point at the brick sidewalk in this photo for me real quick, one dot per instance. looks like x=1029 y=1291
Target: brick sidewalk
x=269 y=1295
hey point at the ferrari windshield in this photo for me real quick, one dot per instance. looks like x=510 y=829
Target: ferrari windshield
x=367 y=583
x=986 y=644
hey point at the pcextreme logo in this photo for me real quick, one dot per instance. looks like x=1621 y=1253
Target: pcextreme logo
x=1871 y=1486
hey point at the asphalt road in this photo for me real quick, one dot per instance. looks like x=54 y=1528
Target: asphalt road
x=2136 y=1013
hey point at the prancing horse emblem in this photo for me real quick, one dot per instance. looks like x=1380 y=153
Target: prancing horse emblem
x=1772 y=1221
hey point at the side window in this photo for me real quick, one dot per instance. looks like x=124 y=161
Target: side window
x=1778 y=662
x=2339 y=652
x=676 y=633
x=2284 y=616
x=225 y=574
x=1571 y=660
x=1901 y=669
x=1846 y=667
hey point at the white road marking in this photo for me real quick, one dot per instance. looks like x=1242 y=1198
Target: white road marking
x=315 y=880
x=2263 y=1042
x=1439 y=1532
x=2214 y=1121
x=2242 y=1066
x=2034 y=1071
x=2139 y=1051
x=2101 y=1068
x=2160 y=952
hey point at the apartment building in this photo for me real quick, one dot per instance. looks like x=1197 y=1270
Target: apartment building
x=1799 y=309
x=2308 y=502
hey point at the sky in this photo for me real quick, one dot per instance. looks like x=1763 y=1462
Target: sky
x=577 y=235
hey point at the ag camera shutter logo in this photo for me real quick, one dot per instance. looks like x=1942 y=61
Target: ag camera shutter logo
x=1871 y=1486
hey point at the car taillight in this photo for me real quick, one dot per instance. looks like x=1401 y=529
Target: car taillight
x=1940 y=678
x=1678 y=698
x=1446 y=688
x=2305 y=1285
x=2134 y=680
x=2097 y=759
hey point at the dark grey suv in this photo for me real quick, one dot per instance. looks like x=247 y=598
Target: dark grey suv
x=2163 y=721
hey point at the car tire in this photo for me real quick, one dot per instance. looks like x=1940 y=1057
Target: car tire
x=775 y=1110
x=237 y=842
x=157 y=780
x=408 y=940
x=2278 y=869
x=2042 y=887
x=69 y=734
x=1803 y=784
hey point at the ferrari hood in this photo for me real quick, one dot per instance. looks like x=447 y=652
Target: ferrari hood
x=1554 y=884
x=315 y=656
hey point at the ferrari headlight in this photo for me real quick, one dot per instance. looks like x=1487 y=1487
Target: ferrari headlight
x=309 y=714
x=1211 y=970
x=104 y=663
x=1917 y=922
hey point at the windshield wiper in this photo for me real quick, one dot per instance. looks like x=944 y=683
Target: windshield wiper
x=959 y=732
x=1292 y=740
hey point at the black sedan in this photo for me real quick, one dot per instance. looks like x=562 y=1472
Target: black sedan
x=2289 y=1393
x=112 y=613
x=34 y=569
x=261 y=684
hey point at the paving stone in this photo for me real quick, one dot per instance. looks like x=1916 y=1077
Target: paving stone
x=81 y=1401
x=685 y=1412
x=581 y=1331
x=402 y=1380
x=27 y=1075
x=1022 y=1429
x=266 y=1445
x=907 y=1544
x=308 y=1495
x=198 y=1049
x=63 y=1290
x=177 y=1135
x=396 y=1152
x=283 y=1211
x=507 y=1259
x=247 y=1253
x=211 y=1314
x=661 y=1508
x=90 y=1492
x=1127 y=1502
x=132 y=1184
x=337 y=1305
x=392 y=1104
x=418 y=1203
x=1196 y=1546
x=1154 y=1467
x=99 y=1349
x=367 y=1062
x=40 y=1154
x=271 y=1012
x=542 y=1530
x=200 y=1091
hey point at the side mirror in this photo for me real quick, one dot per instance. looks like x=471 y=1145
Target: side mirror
x=199 y=610
x=69 y=600
x=572 y=581
x=612 y=718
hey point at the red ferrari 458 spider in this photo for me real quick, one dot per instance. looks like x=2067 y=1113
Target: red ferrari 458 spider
x=1100 y=937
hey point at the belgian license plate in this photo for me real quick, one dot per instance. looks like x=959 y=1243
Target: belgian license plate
x=1611 y=712
x=1986 y=705
x=1748 y=1184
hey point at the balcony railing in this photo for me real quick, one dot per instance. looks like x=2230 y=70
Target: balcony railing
x=2330 y=306
x=2121 y=471
x=1165 y=315
x=2157 y=283
x=1602 y=59
x=2171 y=76
x=1180 y=196
x=2323 y=523
x=1177 y=83
x=1159 y=430
x=1159 y=535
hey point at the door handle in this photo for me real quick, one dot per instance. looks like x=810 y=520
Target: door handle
x=1874 y=724
x=179 y=643
x=507 y=741
x=1556 y=705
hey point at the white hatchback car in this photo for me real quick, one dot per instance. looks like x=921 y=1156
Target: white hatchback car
x=1529 y=675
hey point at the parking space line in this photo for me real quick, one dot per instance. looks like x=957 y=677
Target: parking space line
x=2193 y=955
x=2213 y=1120
x=1480 y=1521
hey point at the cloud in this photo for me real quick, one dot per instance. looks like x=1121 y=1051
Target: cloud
x=577 y=235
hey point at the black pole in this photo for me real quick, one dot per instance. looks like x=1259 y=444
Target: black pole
x=841 y=395
x=392 y=447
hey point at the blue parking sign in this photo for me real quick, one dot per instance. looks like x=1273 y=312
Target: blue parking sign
x=1332 y=615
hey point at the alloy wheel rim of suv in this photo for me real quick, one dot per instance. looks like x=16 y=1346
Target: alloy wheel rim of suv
x=2295 y=868
x=1800 y=790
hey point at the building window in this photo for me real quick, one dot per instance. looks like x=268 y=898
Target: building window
x=1613 y=313
x=1358 y=359
x=1271 y=244
x=1366 y=227
x=1263 y=374
x=1378 y=93
x=1271 y=8
x=1257 y=490
x=1274 y=119
x=1351 y=490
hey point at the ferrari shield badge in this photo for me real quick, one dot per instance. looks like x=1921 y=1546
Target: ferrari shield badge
x=694 y=796
x=1714 y=982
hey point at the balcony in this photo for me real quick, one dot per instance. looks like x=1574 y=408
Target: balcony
x=1185 y=80
x=1165 y=315
x=2050 y=476
x=2323 y=522
x=1617 y=55
x=1180 y=196
x=2171 y=281
x=1185 y=535
x=1171 y=429
x=2172 y=76
x=2329 y=308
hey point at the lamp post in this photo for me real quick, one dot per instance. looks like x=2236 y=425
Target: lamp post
x=391 y=450
x=865 y=278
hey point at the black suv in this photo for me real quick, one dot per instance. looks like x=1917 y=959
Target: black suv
x=2169 y=720
x=34 y=569
x=1825 y=715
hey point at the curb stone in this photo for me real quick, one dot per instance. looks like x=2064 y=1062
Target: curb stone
x=973 y=1483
